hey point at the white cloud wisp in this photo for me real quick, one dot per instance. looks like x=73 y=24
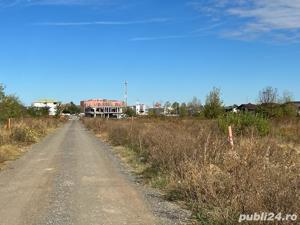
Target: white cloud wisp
x=278 y=19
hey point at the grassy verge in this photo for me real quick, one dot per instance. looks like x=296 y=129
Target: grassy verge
x=23 y=133
x=192 y=162
x=136 y=164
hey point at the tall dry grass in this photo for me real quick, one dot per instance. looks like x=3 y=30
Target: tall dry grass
x=23 y=132
x=261 y=174
x=287 y=130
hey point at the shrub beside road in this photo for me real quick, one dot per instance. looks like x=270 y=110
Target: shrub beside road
x=22 y=133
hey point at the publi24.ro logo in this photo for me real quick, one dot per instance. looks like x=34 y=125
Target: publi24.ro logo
x=267 y=217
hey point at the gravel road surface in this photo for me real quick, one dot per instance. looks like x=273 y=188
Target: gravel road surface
x=68 y=178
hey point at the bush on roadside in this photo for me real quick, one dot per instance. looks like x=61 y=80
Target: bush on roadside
x=27 y=130
x=2 y=158
x=24 y=135
x=10 y=106
x=23 y=132
x=245 y=123
x=9 y=152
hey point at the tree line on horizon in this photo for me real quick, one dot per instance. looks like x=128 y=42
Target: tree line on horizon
x=12 y=107
x=270 y=104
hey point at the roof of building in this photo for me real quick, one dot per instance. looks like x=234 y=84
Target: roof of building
x=248 y=106
x=46 y=101
x=296 y=103
x=230 y=107
x=101 y=100
x=101 y=103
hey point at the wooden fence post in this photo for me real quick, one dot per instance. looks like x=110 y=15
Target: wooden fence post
x=9 y=124
x=230 y=136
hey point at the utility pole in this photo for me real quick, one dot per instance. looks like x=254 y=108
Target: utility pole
x=126 y=93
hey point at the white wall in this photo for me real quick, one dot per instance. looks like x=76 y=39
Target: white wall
x=141 y=107
x=52 y=107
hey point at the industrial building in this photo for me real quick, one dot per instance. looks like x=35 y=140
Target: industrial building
x=102 y=108
x=50 y=104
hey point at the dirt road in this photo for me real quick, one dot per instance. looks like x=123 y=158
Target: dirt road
x=69 y=178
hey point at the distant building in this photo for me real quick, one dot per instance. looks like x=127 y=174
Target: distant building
x=168 y=110
x=247 y=107
x=232 y=108
x=102 y=108
x=50 y=104
x=157 y=109
x=157 y=105
x=141 y=109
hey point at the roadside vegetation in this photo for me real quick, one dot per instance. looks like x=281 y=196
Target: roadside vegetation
x=189 y=157
x=21 y=126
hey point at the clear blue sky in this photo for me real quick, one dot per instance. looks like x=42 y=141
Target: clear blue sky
x=167 y=50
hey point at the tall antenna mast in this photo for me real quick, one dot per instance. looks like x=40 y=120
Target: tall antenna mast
x=126 y=93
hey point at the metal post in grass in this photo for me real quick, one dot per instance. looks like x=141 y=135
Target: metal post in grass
x=230 y=136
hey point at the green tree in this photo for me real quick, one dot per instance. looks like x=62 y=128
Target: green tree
x=268 y=95
x=2 y=93
x=11 y=107
x=37 y=112
x=289 y=110
x=194 y=107
x=74 y=109
x=167 y=107
x=71 y=108
x=175 y=108
x=183 y=110
x=129 y=112
x=59 y=109
x=213 y=107
x=287 y=97
x=275 y=106
x=152 y=113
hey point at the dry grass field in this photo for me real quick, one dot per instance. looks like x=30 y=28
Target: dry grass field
x=23 y=132
x=191 y=160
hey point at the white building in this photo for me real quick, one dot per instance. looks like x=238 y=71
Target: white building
x=47 y=103
x=141 y=109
